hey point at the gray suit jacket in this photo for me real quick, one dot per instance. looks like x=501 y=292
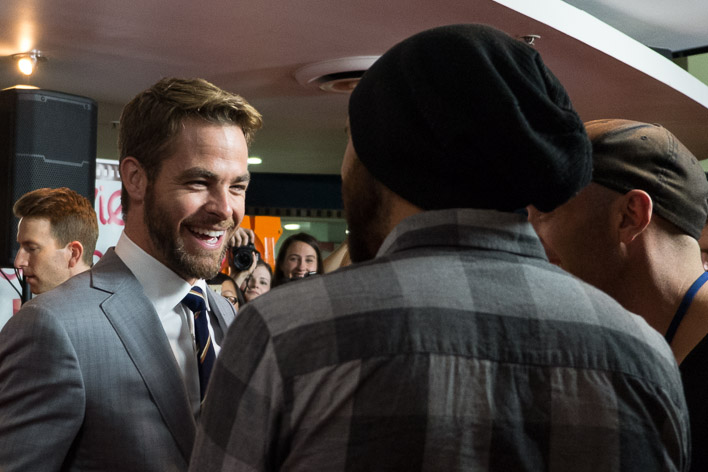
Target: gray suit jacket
x=88 y=380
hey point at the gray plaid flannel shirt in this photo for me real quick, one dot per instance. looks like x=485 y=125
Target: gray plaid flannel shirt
x=459 y=347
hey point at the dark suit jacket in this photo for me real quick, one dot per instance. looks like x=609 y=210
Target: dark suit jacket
x=88 y=380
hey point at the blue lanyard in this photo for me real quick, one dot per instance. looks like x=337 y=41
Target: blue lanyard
x=683 y=307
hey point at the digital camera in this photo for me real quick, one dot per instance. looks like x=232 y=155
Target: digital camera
x=243 y=256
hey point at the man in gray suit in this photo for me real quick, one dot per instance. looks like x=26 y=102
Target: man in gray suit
x=101 y=373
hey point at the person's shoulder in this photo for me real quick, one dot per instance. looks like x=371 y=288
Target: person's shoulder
x=626 y=335
x=66 y=301
x=321 y=284
x=219 y=303
x=595 y=306
x=309 y=300
x=562 y=298
x=37 y=318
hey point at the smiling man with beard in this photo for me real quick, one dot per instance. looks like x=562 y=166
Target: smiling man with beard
x=108 y=371
x=452 y=343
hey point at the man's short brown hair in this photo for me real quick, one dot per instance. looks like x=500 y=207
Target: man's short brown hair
x=151 y=120
x=71 y=216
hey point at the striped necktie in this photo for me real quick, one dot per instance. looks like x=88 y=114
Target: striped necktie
x=205 y=349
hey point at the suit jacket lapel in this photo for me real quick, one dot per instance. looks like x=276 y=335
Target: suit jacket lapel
x=139 y=328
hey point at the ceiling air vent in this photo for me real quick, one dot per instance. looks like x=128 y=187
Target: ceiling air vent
x=335 y=75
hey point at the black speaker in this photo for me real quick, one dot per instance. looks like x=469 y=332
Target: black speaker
x=47 y=139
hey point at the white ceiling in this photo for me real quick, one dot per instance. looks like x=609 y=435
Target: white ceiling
x=110 y=51
x=673 y=25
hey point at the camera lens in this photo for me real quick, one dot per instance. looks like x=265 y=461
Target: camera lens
x=243 y=257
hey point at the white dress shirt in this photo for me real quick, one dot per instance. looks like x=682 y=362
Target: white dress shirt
x=165 y=289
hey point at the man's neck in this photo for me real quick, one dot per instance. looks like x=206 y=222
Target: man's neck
x=654 y=288
x=79 y=268
x=654 y=298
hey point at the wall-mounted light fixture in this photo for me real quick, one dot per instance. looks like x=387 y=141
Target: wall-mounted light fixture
x=27 y=61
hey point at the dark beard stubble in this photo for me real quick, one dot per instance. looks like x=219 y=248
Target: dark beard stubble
x=172 y=249
x=363 y=198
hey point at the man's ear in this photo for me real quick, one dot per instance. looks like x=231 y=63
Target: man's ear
x=76 y=250
x=134 y=178
x=635 y=209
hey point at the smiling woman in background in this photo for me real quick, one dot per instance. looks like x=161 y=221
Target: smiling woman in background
x=299 y=256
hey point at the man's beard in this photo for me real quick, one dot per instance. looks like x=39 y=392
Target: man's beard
x=363 y=198
x=171 y=246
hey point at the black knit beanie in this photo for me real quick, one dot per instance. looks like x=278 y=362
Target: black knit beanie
x=464 y=116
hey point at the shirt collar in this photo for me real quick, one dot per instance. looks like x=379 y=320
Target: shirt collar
x=481 y=229
x=163 y=287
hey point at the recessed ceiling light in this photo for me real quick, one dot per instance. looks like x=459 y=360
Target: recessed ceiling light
x=292 y=226
x=255 y=160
